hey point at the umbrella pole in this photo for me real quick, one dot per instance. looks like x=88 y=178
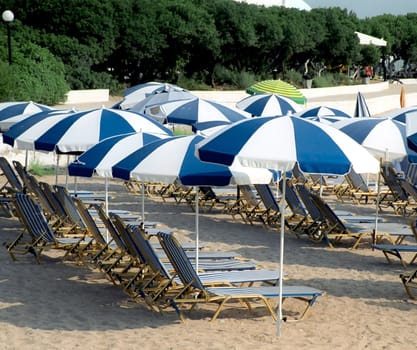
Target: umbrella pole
x=378 y=194
x=106 y=203
x=26 y=160
x=143 y=202
x=56 y=169
x=197 y=234
x=66 y=172
x=281 y=253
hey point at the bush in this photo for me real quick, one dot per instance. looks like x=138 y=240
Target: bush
x=35 y=75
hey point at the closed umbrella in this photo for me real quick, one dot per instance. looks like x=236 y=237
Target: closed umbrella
x=280 y=143
x=278 y=87
x=268 y=105
x=361 y=108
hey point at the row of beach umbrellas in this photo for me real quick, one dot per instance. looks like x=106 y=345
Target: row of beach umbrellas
x=124 y=143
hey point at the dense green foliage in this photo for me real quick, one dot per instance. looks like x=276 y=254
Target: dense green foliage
x=194 y=43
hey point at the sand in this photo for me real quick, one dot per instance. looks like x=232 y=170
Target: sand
x=62 y=305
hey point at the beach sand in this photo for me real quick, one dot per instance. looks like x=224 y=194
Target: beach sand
x=61 y=305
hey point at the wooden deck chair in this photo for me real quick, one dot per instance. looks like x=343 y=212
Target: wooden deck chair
x=21 y=171
x=267 y=210
x=409 y=282
x=317 y=220
x=397 y=250
x=397 y=193
x=194 y=291
x=409 y=206
x=41 y=234
x=223 y=278
x=244 y=202
x=411 y=175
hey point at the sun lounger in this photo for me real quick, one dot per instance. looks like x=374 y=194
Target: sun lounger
x=40 y=233
x=195 y=292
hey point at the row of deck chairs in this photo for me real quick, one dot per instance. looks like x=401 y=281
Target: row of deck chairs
x=163 y=278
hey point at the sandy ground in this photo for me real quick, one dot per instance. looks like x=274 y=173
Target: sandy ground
x=61 y=305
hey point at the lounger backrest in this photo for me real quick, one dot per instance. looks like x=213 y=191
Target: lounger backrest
x=356 y=181
x=411 y=175
x=33 y=218
x=292 y=199
x=21 y=171
x=110 y=227
x=89 y=221
x=68 y=204
x=328 y=213
x=267 y=197
x=125 y=236
x=151 y=258
x=53 y=200
x=311 y=207
x=248 y=195
x=391 y=180
x=179 y=260
x=10 y=175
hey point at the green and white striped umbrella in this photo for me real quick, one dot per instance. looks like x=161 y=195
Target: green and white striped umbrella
x=278 y=87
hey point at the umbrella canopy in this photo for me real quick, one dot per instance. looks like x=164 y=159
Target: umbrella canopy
x=199 y=110
x=361 y=108
x=101 y=157
x=280 y=143
x=78 y=132
x=159 y=97
x=400 y=114
x=329 y=120
x=322 y=111
x=173 y=159
x=138 y=92
x=278 y=87
x=383 y=137
x=268 y=105
x=14 y=112
x=22 y=135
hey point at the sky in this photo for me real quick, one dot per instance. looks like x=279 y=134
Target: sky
x=369 y=8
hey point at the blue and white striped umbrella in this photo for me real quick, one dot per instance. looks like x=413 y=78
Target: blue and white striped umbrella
x=22 y=135
x=400 y=115
x=198 y=110
x=268 y=105
x=329 y=120
x=137 y=93
x=157 y=98
x=383 y=137
x=78 y=132
x=101 y=157
x=322 y=111
x=14 y=112
x=279 y=143
x=173 y=159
